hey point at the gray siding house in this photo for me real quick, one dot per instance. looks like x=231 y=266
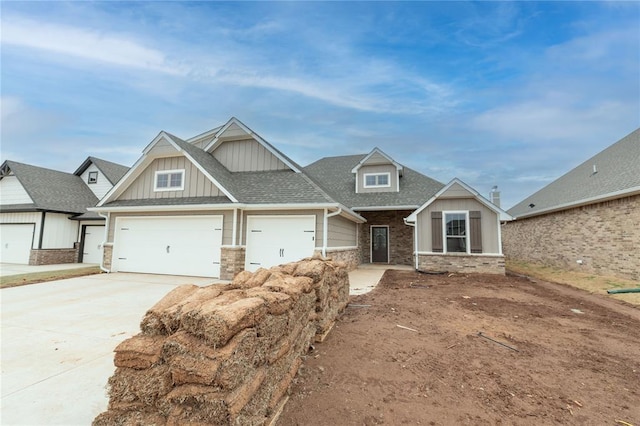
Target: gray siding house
x=586 y=220
x=43 y=212
x=227 y=200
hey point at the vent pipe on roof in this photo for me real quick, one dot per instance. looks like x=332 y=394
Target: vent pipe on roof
x=595 y=170
x=494 y=196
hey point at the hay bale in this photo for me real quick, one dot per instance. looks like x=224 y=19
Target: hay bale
x=152 y=322
x=217 y=324
x=167 y=321
x=239 y=359
x=258 y=278
x=139 y=352
x=313 y=268
x=292 y=286
x=183 y=342
x=129 y=418
x=237 y=400
x=196 y=404
x=193 y=369
x=144 y=386
x=276 y=303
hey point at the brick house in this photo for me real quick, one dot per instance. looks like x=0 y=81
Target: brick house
x=586 y=220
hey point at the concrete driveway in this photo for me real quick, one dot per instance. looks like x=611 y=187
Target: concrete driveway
x=58 y=340
x=7 y=269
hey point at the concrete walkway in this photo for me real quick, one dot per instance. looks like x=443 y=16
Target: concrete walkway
x=58 y=340
x=7 y=269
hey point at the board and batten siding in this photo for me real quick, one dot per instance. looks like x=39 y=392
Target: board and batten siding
x=227 y=221
x=247 y=156
x=25 y=217
x=59 y=231
x=488 y=219
x=342 y=232
x=101 y=187
x=319 y=214
x=12 y=191
x=382 y=168
x=196 y=184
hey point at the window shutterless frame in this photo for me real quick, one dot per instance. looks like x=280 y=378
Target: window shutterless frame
x=377 y=180
x=168 y=180
x=93 y=177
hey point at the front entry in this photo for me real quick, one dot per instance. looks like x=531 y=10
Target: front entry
x=380 y=244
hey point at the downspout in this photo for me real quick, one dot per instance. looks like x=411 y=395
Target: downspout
x=106 y=234
x=499 y=235
x=415 y=240
x=41 y=236
x=325 y=228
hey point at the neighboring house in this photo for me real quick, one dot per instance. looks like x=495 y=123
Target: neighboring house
x=43 y=212
x=227 y=200
x=586 y=220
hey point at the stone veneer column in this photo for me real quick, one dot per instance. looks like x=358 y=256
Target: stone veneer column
x=231 y=262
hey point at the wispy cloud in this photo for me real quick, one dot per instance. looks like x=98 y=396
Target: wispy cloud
x=86 y=44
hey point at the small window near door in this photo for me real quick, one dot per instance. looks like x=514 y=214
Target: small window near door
x=169 y=180
x=456 y=232
x=93 y=177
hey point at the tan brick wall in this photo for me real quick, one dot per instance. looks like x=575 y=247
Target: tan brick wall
x=604 y=236
x=351 y=258
x=53 y=256
x=400 y=236
x=107 y=255
x=231 y=262
x=462 y=263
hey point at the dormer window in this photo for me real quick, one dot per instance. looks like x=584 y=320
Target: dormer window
x=169 y=180
x=93 y=177
x=377 y=180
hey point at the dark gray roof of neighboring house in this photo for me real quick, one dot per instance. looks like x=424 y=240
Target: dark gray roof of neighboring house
x=335 y=177
x=52 y=190
x=112 y=171
x=617 y=170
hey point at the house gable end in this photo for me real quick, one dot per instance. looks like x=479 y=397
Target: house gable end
x=12 y=191
x=377 y=172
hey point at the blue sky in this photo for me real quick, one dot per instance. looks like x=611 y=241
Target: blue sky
x=513 y=94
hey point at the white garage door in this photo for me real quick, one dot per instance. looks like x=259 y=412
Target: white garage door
x=274 y=240
x=16 y=241
x=177 y=245
x=92 y=247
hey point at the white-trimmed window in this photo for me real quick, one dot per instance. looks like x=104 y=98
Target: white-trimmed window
x=456 y=232
x=377 y=180
x=169 y=180
x=93 y=177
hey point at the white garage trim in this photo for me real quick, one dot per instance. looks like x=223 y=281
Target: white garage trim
x=274 y=240
x=172 y=245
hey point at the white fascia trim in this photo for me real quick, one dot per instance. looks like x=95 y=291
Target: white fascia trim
x=132 y=171
x=178 y=207
x=591 y=200
x=342 y=248
x=397 y=165
x=213 y=144
x=504 y=216
x=383 y=208
x=204 y=135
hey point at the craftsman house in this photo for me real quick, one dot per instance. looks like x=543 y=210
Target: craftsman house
x=586 y=220
x=43 y=212
x=228 y=200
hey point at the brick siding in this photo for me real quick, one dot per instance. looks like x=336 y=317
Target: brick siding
x=400 y=236
x=604 y=236
x=351 y=258
x=462 y=263
x=231 y=262
x=53 y=256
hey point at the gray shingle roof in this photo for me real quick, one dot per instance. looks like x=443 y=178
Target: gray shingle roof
x=169 y=201
x=617 y=169
x=113 y=171
x=52 y=190
x=334 y=175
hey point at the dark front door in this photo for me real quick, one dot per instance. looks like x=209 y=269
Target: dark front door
x=380 y=244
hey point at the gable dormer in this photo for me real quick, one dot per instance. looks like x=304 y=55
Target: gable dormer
x=377 y=172
x=239 y=149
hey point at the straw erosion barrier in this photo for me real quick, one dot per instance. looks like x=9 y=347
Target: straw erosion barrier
x=225 y=354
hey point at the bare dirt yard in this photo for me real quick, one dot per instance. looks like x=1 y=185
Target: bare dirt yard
x=575 y=357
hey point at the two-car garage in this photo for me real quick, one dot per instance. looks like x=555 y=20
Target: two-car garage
x=192 y=245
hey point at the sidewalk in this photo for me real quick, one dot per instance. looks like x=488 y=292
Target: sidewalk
x=7 y=269
x=365 y=278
